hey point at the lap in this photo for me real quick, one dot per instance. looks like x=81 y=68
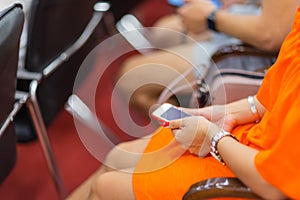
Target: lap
x=172 y=180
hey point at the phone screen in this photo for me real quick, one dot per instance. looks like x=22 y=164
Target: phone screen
x=173 y=113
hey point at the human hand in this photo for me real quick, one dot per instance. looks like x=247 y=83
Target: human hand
x=194 y=134
x=216 y=114
x=194 y=14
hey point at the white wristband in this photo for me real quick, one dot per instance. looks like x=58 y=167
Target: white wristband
x=253 y=109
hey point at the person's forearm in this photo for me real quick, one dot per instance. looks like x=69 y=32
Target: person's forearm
x=240 y=159
x=241 y=112
x=266 y=31
x=245 y=27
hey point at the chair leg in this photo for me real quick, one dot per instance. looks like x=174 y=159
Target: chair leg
x=42 y=134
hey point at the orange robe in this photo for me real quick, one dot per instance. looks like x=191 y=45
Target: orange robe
x=276 y=136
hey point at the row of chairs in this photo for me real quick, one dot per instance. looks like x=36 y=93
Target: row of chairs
x=60 y=35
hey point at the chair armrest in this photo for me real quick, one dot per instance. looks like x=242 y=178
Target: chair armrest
x=85 y=35
x=135 y=33
x=23 y=74
x=219 y=187
x=20 y=99
x=97 y=17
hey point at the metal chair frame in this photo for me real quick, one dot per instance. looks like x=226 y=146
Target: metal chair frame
x=29 y=98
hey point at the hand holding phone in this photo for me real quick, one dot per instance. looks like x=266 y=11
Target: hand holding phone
x=167 y=112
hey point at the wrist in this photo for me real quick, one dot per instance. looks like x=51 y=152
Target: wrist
x=211 y=20
x=214 y=144
x=212 y=131
x=235 y=113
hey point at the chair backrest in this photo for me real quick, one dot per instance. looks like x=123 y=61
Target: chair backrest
x=53 y=26
x=11 y=24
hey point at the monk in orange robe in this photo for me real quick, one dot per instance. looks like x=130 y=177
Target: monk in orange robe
x=257 y=140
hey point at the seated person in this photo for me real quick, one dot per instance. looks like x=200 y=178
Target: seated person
x=253 y=138
x=150 y=73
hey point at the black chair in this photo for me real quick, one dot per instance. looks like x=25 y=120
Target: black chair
x=120 y=7
x=60 y=34
x=11 y=25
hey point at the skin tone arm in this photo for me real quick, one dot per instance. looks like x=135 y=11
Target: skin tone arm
x=230 y=115
x=245 y=168
x=265 y=31
x=210 y=121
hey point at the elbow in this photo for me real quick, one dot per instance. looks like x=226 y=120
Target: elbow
x=270 y=43
x=270 y=46
x=271 y=40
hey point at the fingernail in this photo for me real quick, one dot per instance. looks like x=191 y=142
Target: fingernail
x=165 y=124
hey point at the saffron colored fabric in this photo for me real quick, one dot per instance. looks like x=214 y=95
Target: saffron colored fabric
x=276 y=137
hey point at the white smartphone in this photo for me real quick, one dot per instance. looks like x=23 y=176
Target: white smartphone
x=167 y=112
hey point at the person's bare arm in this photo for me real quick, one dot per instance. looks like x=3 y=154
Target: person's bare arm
x=229 y=115
x=241 y=112
x=266 y=31
x=240 y=159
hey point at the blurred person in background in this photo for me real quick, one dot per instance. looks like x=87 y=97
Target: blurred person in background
x=263 y=25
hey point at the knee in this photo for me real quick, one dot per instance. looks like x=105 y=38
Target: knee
x=101 y=187
x=113 y=160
